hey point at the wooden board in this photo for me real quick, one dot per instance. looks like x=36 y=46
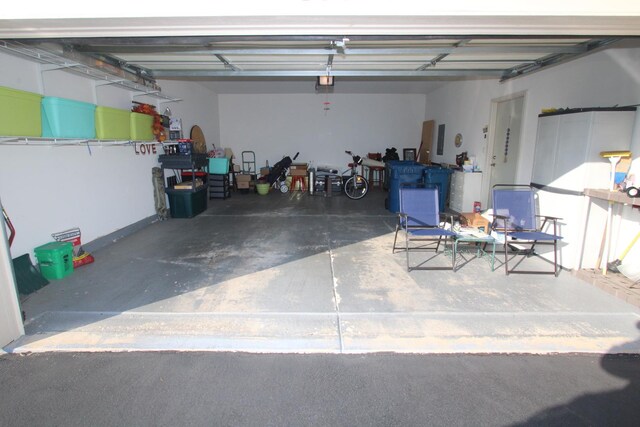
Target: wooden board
x=187 y=185
x=199 y=143
x=426 y=144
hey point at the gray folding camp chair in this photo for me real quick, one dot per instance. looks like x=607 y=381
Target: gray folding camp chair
x=420 y=219
x=514 y=212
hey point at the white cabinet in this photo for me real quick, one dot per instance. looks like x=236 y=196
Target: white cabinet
x=567 y=160
x=568 y=146
x=465 y=189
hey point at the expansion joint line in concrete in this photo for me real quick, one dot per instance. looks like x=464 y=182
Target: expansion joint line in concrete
x=336 y=296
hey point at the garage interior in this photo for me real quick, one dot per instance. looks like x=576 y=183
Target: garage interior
x=297 y=272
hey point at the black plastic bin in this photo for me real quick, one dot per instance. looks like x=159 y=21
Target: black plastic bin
x=438 y=177
x=402 y=173
x=187 y=203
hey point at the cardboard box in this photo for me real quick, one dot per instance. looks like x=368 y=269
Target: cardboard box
x=474 y=219
x=264 y=171
x=242 y=185
x=243 y=178
x=299 y=167
x=298 y=172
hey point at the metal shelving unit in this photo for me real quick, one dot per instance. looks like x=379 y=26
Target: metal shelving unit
x=191 y=162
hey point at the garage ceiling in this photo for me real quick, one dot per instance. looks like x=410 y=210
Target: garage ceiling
x=403 y=57
x=419 y=48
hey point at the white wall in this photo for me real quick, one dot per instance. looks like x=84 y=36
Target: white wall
x=276 y=125
x=100 y=189
x=199 y=107
x=464 y=108
x=606 y=78
x=53 y=188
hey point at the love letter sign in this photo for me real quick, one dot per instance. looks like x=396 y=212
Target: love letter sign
x=145 y=148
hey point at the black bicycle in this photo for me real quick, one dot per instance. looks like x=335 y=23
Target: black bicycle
x=356 y=186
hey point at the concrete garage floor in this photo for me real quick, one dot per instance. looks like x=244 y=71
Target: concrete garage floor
x=300 y=273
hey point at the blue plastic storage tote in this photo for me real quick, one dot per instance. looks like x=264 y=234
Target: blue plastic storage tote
x=402 y=172
x=438 y=177
x=65 y=118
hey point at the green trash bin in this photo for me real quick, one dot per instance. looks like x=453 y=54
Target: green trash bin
x=55 y=259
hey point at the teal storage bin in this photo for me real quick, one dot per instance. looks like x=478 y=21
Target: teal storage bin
x=65 y=118
x=219 y=165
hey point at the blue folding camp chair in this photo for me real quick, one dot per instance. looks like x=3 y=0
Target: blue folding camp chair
x=420 y=219
x=514 y=212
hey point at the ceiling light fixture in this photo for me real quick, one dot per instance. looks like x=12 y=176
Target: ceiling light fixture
x=325 y=81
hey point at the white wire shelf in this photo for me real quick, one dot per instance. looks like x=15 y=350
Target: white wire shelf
x=59 y=62
x=61 y=142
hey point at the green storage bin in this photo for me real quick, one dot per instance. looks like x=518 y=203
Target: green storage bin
x=187 y=203
x=20 y=113
x=113 y=123
x=55 y=259
x=66 y=118
x=141 y=127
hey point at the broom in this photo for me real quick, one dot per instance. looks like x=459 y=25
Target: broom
x=613 y=265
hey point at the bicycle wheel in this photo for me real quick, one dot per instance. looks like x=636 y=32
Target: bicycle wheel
x=356 y=187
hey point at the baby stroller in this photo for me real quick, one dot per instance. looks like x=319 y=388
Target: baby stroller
x=278 y=175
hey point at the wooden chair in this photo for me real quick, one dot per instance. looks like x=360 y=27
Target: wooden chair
x=376 y=173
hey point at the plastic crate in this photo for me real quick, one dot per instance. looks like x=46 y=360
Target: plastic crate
x=66 y=118
x=187 y=203
x=113 y=123
x=439 y=177
x=20 y=113
x=402 y=172
x=55 y=259
x=141 y=127
x=219 y=165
